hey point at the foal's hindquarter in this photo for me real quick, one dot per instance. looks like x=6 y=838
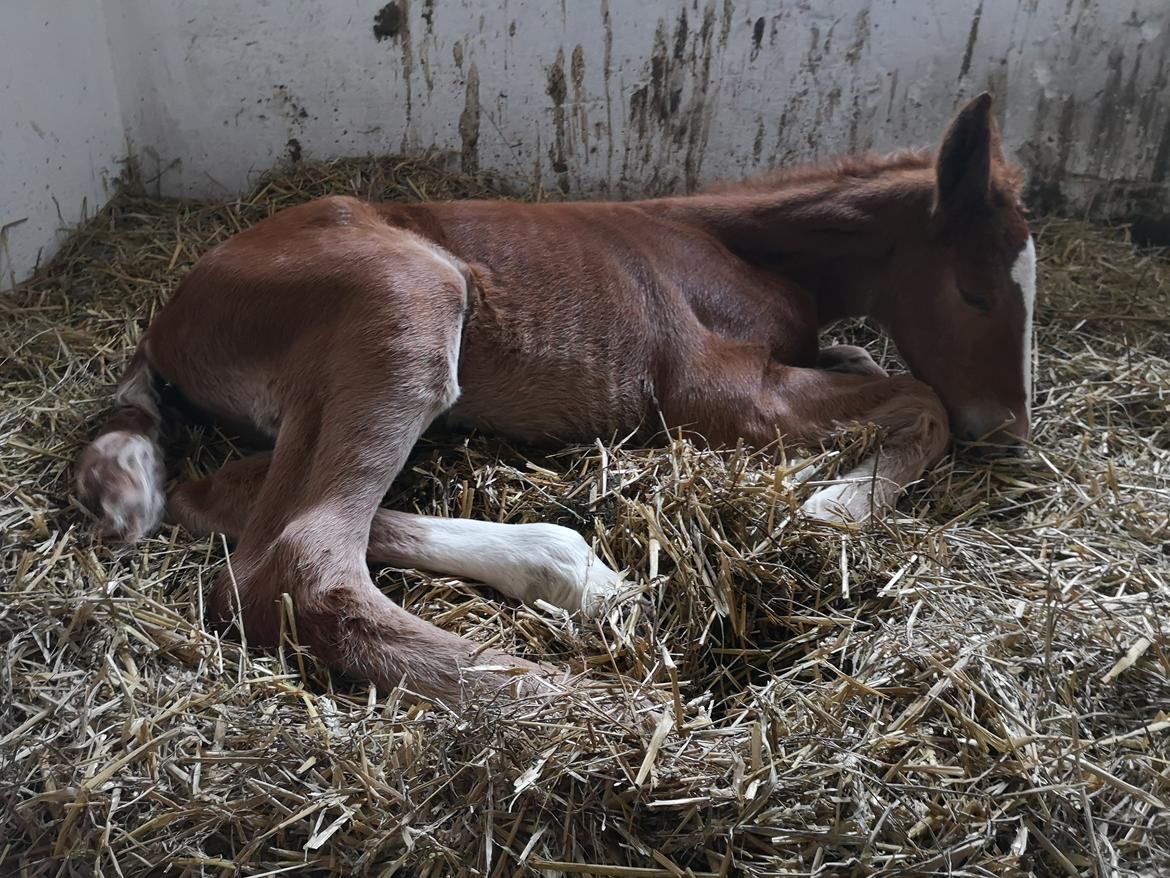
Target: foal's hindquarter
x=342 y=329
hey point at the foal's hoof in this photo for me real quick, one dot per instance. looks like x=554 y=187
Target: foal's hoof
x=850 y=359
x=602 y=586
x=120 y=477
x=845 y=503
x=563 y=570
x=495 y=675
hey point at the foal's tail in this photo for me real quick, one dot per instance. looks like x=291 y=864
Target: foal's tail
x=120 y=475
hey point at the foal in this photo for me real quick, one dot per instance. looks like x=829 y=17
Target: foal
x=341 y=329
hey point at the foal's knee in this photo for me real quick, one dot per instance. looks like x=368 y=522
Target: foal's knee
x=915 y=416
x=915 y=424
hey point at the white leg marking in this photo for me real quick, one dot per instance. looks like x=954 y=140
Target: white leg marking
x=124 y=472
x=1024 y=274
x=524 y=561
x=853 y=498
x=121 y=473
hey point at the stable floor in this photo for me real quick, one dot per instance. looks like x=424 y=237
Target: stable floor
x=981 y=683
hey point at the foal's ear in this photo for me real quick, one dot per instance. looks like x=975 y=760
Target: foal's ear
x=964 y=160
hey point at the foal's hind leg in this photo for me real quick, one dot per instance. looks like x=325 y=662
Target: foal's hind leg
x=349 y=425
x=221 y=502
x=527 y=562
x=307 y=537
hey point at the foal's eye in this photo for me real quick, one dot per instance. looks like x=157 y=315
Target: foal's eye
x=979 y=303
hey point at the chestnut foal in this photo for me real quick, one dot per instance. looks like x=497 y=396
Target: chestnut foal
x=341 y=329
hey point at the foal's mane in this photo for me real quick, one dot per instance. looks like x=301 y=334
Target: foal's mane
x=1007 y=177
x=859 y=166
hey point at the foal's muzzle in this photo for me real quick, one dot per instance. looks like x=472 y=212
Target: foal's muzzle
x=992 y=451
x=995 y=430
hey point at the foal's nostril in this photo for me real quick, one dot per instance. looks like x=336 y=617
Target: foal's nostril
x=964 y=433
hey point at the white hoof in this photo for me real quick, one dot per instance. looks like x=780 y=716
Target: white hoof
x=852 y=499
x=840 y=504
x=121 y=476
x=567 y=573
x=602 y=585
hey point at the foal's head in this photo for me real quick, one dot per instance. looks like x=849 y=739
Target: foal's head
x=961 y=286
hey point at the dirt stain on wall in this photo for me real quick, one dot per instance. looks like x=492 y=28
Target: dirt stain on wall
x=972 y=36
x=580 y=103
x=469 y=123
x=607 y=64
x=669 y=114
x=654 y=111
x=557 y=89
x=388 y=22
x=393 y=23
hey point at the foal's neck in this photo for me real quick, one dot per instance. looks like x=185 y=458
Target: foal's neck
x=830 y=231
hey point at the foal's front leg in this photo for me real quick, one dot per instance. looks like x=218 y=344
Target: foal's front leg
x=735 y=390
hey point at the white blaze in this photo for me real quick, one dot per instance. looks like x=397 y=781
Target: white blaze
x=1024 y=274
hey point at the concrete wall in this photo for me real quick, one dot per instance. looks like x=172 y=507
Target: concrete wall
x=61 y=132
x=629 y=96
x=624 y=97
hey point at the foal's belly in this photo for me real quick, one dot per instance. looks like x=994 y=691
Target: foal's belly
x=551 y=386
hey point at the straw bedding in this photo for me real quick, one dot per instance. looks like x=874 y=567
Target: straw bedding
x=978 y=687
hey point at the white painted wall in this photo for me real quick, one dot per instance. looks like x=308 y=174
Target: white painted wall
x=534 y=86
x=624 y=97
x=61 y=132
